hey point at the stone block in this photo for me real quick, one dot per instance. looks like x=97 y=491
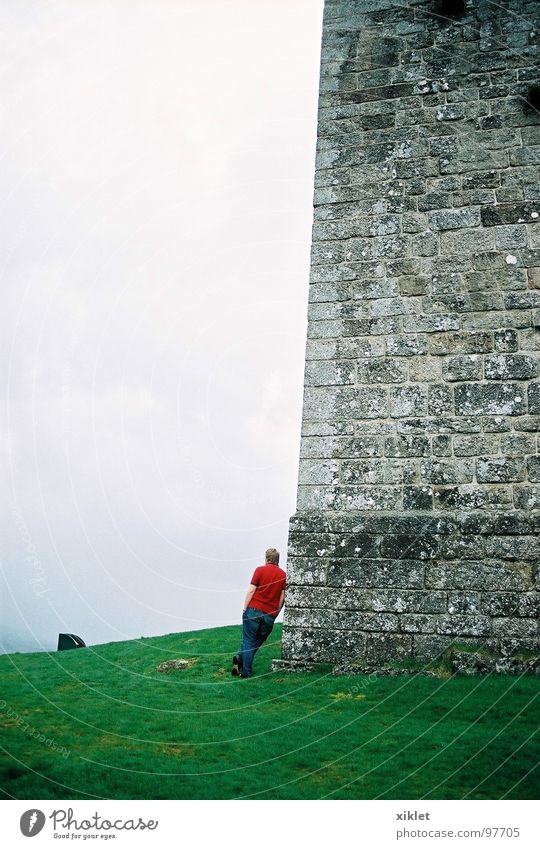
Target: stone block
x=408 y=401
x=406 y=345
x=534 y=397
x=409 y=601
x=322 y=645
x=511 y=604
x=418 y=623
x=460 y=343
x=419 y=479
x=357 y=497
x=454 y=219
x=368 y=573
x=345 y=403
x=463 y=367
x=417 y=498
x=441 y=445
x=464 y=602
x=522 y=548
x=500 y=470
x=405 y=547
x=522 y=300
x=441 y=472
x=463 y=625
x=471 y=446
x=499 y=424
x=329 y=373
x=382 y=370
x=497 y=399
x=395 y=523
x=432 y=647
x=430 y=323
x=527 y=497
x=528 y=423
x=371 y=471
x=517 y=444
x=506 y=340
x=479 y=575
x=440 y=401
x=533 y=469
x=384 y=648
x=462 y=548
x=508 y=626
x=361 y=446
x=313 y=472
x=425 y=244
x=510 y=367
x=348 y=620
x=510 y=213
x=467 y=242
x=306 y=572
x=407 y=446
x=425 y=370
x=495 y=523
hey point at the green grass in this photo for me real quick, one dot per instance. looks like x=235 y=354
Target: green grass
x=115 y=728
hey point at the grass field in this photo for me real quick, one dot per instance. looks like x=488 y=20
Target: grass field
x=112 y=727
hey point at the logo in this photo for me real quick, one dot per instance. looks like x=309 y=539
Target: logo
x=32 y=822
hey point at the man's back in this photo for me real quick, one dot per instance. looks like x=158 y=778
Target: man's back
x=269 y=581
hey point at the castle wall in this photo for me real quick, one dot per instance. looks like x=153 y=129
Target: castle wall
x=419 y=484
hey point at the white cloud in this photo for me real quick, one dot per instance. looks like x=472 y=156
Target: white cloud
x=156 y=181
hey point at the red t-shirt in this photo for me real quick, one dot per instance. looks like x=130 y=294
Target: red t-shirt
x=269 y=580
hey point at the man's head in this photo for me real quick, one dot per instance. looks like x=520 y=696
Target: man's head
x=272 y=555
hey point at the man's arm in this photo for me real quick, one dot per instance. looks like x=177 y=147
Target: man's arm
x=249 y=595
x=281 y=601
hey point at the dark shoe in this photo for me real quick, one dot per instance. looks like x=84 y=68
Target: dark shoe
x=236 y=665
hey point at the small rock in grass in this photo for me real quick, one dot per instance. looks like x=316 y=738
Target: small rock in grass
x=168 y=665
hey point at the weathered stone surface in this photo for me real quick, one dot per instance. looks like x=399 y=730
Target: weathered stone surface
x=419 y=479
x=460 y=343
x=498 y=399
x=512 y=604
x=376 y=573
x=404 y=601
x=465 y=602
x=510 y=213
x=323 y=645
x=499 y=469
x=407 y=446
x=534 y=398
x=418 y=497
x=510 y=367
x=468 y=367
x=401 y=546
x=458 y=624
x=418 y=623
x=479 y=575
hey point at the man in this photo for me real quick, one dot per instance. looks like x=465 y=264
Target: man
x=264 y=600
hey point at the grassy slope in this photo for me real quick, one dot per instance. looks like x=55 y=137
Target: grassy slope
x=134 y=733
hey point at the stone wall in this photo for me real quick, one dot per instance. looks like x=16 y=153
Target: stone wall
x=419 y=484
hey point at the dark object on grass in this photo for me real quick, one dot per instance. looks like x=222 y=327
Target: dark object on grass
x=236 y=665
x=70 y=641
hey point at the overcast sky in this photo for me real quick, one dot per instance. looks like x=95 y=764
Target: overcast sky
x=156 y=179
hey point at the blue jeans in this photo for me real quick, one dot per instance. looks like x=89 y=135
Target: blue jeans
x=256 y=628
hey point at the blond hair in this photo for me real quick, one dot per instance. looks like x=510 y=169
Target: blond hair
x=272 y=555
